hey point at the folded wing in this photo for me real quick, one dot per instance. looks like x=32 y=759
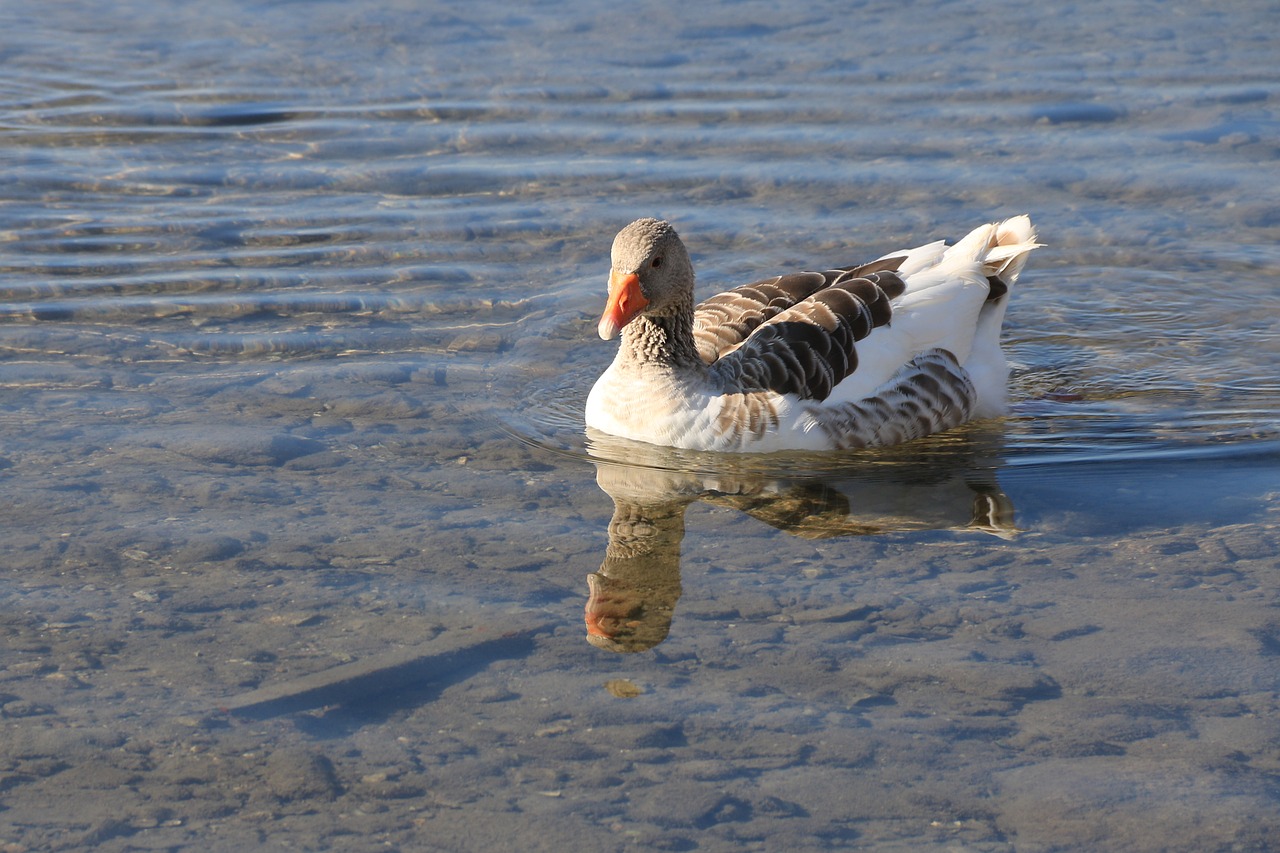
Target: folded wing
x=724 y=321
x=806 y=349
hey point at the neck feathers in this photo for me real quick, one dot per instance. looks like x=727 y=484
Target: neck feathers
x=662 y=340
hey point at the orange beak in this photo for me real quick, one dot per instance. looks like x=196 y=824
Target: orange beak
x=609 y=611
x=597 y=609
x=625 y=302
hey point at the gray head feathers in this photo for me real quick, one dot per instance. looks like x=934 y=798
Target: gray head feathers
x=636 y=244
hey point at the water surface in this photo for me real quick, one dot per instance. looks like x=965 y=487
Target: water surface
x=297 y=309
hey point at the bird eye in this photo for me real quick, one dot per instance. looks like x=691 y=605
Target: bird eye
x=656 y=262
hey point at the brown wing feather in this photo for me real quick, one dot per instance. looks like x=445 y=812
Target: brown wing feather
x=808 y=349
x=727 y=319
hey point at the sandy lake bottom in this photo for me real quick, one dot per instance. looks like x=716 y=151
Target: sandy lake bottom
x=296 y=322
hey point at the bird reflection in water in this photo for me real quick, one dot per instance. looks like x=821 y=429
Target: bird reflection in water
x=944 y=483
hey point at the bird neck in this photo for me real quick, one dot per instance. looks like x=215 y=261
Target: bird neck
x=665 y=339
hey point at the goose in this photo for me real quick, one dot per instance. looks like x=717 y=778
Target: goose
x=862 y=356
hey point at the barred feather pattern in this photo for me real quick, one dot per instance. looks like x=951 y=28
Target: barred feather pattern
x=727 y=319
x=745 y=417
x=931 y=393
x=807 y=349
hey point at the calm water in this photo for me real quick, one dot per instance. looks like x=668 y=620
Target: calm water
x=297 y=309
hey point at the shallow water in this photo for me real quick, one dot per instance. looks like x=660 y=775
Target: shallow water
x=297 y=309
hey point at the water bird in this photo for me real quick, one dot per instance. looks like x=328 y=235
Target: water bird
x=861 y=356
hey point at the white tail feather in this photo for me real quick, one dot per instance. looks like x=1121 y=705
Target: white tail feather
x=945 y=306
x=1014 y=240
